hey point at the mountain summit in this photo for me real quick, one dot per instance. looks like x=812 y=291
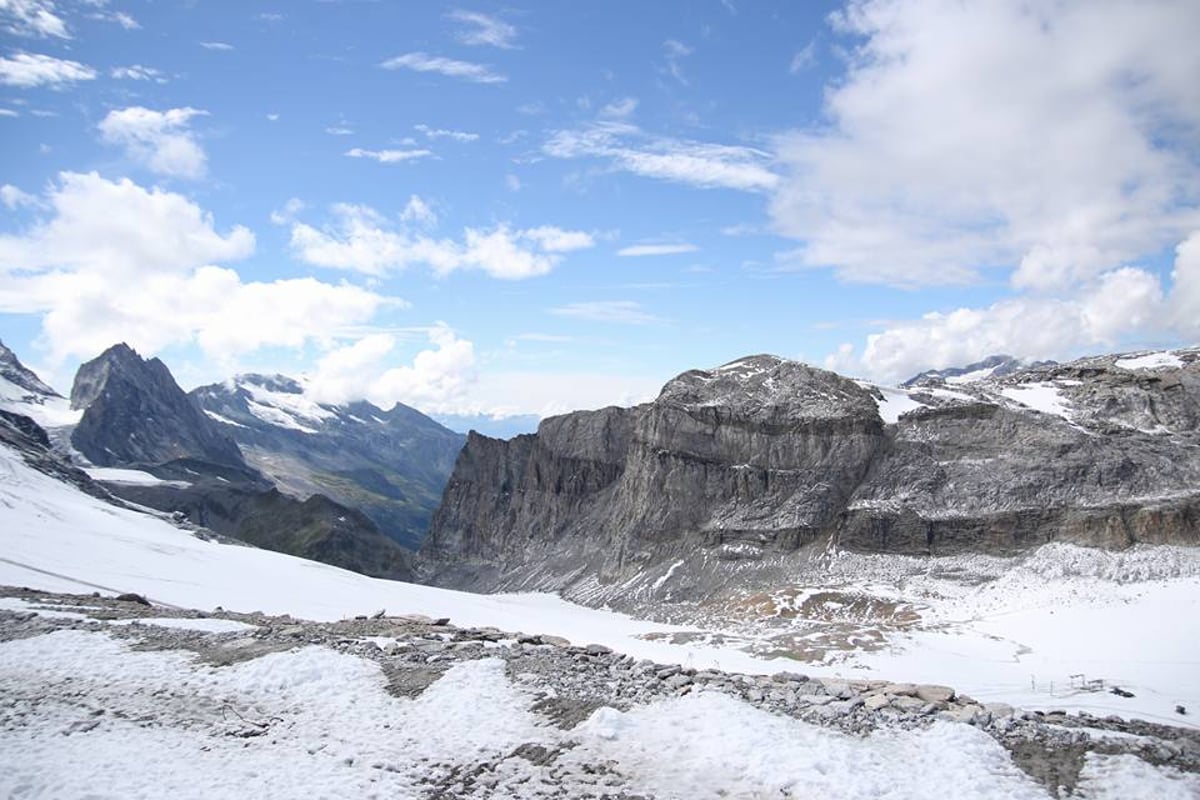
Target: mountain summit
x=135 y=413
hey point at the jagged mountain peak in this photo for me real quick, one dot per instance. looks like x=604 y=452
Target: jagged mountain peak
x=134 y=413
x=16 y=373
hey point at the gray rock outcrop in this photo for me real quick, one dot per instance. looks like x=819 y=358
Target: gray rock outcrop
x=742 y=475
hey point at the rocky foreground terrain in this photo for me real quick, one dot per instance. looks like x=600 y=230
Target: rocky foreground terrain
x=567 y=685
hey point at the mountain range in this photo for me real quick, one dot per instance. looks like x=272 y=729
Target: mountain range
x=235 y=458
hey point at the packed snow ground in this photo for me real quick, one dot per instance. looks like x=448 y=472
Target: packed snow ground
x=336 y=732
x=1033 y=638
x=86 y=715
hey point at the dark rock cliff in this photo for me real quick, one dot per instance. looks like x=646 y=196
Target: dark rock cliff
x=135 y=414
x=739 y=475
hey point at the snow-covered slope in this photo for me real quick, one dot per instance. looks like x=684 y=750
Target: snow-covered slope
x=1130 y=620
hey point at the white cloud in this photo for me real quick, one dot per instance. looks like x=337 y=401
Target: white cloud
x=620 y=109
x=340 y=130
x=466 y=70
x=160 y=140
x=119 y=17
x=360 y=240
x=675 y=51
x=442 y=133
x=503 y=393
x=136 y=72
x=556 y=240
x=418 y=211
x=33 y=18
x=1116 y=306
x=117 y=262
x=657 y=249
x=1056 y=138
x=483 y=29
x=623 y=312
x=699 y=164
x=513 y=182
x=272 y=117
x=389 y=156
x=219 y=46
x=27 y=70
x=8 y=112
x=1184 y=307
x=437 y=380
x=804 y=58
x=12 y=197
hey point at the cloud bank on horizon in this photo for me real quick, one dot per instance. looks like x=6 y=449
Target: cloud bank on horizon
x=483 y=208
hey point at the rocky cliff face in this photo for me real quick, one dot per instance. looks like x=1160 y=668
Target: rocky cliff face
x=135 y=414
x=391 y=465
x=744 y=474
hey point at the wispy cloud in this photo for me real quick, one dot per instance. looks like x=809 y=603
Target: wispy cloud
x=442 y=133
x=118 y=17
x=700 y=164
x=657 y=249
x=675 y=51
x=160 y=140
x=482 y=29
x=27 y=70
x=136 y=72
x=452 y=68
x=33 y=18
x=622 y=312
x=389 y=156
x=8 y=112
x=619 y=109
x=804 y=58
x=222 y=46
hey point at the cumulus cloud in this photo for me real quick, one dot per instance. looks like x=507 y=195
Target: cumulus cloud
x=451 y=68
x=1124 y=303
x=482 y=29
x=1056 y=138
x=159 y=140
x=362 y=240
x=437 y=379
x=27 y=70
x=700 y=164
x=621 y=312
x=114 y=261
x=13 y=197
x=33 y=18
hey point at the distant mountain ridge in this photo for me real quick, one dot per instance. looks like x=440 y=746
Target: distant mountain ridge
x=392 y=465
x=16 y=373
x=996 y=366
x=135 y=416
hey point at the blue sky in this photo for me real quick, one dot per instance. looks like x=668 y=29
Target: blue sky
x=506 y=208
